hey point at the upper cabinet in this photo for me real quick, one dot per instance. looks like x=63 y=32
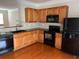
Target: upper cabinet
x=39 y=15
x=42 y=15
x=63 y=13
x=52 y=11
x=29 y=14
x=35 y=15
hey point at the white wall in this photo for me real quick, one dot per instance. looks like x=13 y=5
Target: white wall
x=14 y=17
x=5 y=17
x=73 y=8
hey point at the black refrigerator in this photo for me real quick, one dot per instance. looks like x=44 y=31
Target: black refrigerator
x=70 y=42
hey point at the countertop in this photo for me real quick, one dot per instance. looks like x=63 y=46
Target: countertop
x=33 y=29
x=27 y=30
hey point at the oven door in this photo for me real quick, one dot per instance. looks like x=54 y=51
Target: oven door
x=3 y=44
x=49 y=38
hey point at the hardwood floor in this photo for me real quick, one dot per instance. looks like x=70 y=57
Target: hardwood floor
x=38 y=51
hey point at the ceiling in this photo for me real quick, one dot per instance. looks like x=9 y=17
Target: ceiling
x=8 y=4
x=11 y=4
x=38 y=1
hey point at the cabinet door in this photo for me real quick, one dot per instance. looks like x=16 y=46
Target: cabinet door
x=18 y=43
x=58 y=40
x=49 y=11
x=35 y=35
x=35 y=15
x=55 y=11
x=28 y=14
x=25 y=40
x=31 y=15
x=41 y=36
x=63 y=12
x=28 y=39
x=42 y=15
x=52 y=11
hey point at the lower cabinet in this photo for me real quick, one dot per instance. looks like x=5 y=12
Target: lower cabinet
x=58 y=40
x=41 y=36
x=18 y=41
x=23 y=39
x=35 y=35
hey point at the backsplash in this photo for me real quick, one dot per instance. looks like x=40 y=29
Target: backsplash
x=39 y=25
x=29 y=26
x=46 y=25
x=26 y=26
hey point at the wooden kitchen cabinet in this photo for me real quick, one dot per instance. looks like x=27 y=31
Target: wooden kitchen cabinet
x=52 y=11
x=39 y=15
x=23 y=39
x=58 y=40
x=49 y=11
x=29 y=14
x=18 y=41
x=35 y=15
x=42 y=15
x=56 y=11
x=26 y=38
x=63 y=13
x=41 y=36
x=35 y=35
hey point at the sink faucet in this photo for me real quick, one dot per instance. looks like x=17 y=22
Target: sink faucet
x=16 y=28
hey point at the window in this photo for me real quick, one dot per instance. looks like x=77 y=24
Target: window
x=1 y=19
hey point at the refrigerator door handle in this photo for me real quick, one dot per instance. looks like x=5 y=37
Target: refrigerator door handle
x=70 y=36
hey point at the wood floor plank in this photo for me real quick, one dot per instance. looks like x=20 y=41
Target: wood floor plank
x=38 y=51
